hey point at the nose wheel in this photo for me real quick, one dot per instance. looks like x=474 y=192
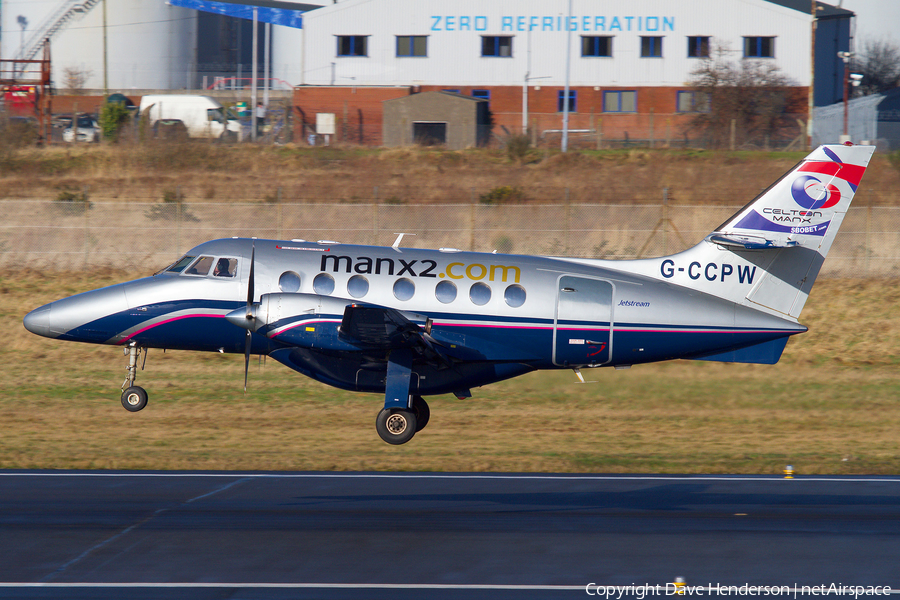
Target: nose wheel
x=134 y=397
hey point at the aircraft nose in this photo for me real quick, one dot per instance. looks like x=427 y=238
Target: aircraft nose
x=38 y=321
x=79 y=317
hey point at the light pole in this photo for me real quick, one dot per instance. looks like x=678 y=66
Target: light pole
x=846 y=56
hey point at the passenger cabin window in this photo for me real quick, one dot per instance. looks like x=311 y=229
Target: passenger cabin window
x=289 y=282
x=445 y=291
x=323 y=284
x=180 y=265
x=358 y=286
x=480 y=293
x=404 y=289
x=514 y=296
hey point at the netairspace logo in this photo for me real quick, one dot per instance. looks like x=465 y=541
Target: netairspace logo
x=670 y=589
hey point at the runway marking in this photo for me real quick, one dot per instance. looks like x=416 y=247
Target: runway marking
x=375 y=586
x=247 y=476
x=62 y=568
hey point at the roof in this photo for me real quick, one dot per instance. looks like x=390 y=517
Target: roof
x=823 y=10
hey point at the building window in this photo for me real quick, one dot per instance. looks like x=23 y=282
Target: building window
x=651 y=46
x=560 y=100
x=496 y=45
x=759 y=47
x=698 y=46
x=483 y=95
x=623 y=101
x=596 y=45
x=352 y=45
x=412 y=45
x=689 y=101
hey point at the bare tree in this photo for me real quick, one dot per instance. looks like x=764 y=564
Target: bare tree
x=751 y=93
x=879 y=63
x=74 y=78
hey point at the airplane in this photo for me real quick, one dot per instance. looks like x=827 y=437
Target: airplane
x=409 y=323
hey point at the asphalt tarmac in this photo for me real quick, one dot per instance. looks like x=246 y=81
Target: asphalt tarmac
x=397 y=536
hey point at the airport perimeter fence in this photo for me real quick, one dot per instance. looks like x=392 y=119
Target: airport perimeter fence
x=144 y=237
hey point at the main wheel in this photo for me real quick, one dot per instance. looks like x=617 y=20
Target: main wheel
x=134 y=398
x=423 y=413
x=396 y=426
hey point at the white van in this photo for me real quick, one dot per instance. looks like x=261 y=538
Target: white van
x=202 y=116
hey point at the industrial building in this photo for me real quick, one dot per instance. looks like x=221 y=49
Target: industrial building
x=627 y=65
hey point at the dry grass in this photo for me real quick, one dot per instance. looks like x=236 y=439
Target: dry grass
x=203 y=172
x=830 y=406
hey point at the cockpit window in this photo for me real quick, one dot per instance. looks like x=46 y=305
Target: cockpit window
x=225 y=267
x=200 y=267
x=180 y=265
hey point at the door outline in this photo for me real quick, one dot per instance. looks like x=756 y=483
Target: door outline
x=559 y=292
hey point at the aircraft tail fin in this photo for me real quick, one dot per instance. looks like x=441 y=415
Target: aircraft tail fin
x=769 y=253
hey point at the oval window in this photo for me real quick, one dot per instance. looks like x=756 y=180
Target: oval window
x=323 y=284
x=358 y=286
x=289 y=282
x=480 y=293
x=514 y=296
x=445 y=291
x=404 y=289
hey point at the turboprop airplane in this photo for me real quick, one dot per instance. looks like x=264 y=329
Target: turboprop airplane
x=408 y=323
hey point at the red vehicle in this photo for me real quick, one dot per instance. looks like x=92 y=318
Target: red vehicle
x=21 y=100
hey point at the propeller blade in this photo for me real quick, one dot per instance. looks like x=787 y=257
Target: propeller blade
x=247 y=358
x=250 y=282
x=249 y=336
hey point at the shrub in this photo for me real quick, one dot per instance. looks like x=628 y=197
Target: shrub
x=113 y=115
x=502 y=194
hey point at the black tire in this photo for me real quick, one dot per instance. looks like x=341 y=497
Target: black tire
x=396 y=425
x=134 y=398
x=423 y=413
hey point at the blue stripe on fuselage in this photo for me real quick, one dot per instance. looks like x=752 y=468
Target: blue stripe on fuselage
x=492 y=338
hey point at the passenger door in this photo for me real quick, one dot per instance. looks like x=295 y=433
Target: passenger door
x=582 y=328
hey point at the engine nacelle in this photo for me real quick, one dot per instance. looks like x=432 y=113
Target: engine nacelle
x=304 y=320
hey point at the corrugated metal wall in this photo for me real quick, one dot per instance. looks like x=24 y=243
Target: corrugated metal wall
x=455 y=32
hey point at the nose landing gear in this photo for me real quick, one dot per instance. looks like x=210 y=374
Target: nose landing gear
x=134 y=398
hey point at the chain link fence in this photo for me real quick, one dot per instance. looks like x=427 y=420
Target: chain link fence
x=144 y=237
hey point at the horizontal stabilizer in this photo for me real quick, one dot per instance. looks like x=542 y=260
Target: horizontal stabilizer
x=749 y=242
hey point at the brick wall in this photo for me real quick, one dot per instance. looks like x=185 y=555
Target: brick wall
x=357 y=111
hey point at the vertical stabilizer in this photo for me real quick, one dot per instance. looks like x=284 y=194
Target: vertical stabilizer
x=800 y=215
x=768 y=254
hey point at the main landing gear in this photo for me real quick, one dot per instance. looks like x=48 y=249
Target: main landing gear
x=398 y=425
x=134 y=398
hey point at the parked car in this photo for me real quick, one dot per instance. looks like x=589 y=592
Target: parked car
x=87 y=130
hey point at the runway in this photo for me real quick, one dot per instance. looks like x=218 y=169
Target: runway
x=420 y=535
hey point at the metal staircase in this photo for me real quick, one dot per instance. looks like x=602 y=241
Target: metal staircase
x=53 y=23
